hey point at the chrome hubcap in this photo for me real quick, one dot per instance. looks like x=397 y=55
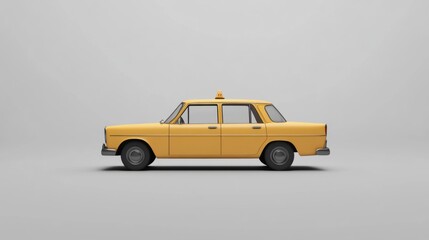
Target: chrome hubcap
x=279 y=156
x=135 y=155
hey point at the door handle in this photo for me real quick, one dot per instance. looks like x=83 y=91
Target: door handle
x=212 y=127
x=256 y=127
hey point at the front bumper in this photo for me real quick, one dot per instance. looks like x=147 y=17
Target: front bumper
x=107 y=152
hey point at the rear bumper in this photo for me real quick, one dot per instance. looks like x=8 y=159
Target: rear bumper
x=323 y=151
x=107 y=152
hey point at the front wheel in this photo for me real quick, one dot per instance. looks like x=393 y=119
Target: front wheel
x=136 y=156
x=151 y=161
x=279 y=156
x=262 y=159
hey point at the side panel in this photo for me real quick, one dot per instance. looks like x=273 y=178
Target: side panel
x=306 y=137
x=242 y=140
x=156 y=135
x=195 y=140
x=262 y=113
x=304 y=145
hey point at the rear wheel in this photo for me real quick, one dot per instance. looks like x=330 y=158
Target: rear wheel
x=279 y=156
x=136 y=156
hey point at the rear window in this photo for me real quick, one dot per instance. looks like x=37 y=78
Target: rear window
x=274 y=114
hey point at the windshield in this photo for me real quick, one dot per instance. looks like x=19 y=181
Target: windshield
x=274 y=114
x=174 y=114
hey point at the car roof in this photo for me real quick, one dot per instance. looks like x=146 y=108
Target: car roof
x=242 y=101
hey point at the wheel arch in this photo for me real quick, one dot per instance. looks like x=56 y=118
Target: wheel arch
x=278 y=141
x=121 y=146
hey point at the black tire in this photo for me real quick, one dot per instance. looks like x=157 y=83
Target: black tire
x=262 y=159
x=136 y=156
x=151 y=161
x=279 y=156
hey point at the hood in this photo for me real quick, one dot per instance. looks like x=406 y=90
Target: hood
x=133 y=129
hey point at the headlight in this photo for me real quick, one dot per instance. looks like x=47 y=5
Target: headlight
x=105 y=141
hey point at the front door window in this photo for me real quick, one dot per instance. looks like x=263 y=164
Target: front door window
x=199 y=114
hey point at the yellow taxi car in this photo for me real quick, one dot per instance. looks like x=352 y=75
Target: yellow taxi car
x=217 y=128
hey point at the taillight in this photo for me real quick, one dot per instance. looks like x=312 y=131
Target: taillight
x=326 y=129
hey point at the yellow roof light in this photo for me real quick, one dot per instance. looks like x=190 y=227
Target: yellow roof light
x=219 y=95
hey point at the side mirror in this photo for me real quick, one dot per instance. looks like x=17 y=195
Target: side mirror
x=162 y=121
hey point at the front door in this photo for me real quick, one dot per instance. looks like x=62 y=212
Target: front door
x=243 y=131
x=196 y=133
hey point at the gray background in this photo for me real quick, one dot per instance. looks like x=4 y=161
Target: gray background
x=68 y=68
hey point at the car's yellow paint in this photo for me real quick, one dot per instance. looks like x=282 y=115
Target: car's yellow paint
x=194 y=140
x=211 y=101
x=154 y=134
x=243 y=140
x=171 y=140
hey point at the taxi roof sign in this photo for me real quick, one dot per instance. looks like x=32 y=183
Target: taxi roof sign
x=219 y=95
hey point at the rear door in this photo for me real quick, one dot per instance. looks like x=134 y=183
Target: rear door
x=243 y=131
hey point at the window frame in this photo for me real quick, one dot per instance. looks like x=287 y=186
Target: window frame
x=204 y=104
x=251 y=108
x=265 y=108
x=181 y=105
